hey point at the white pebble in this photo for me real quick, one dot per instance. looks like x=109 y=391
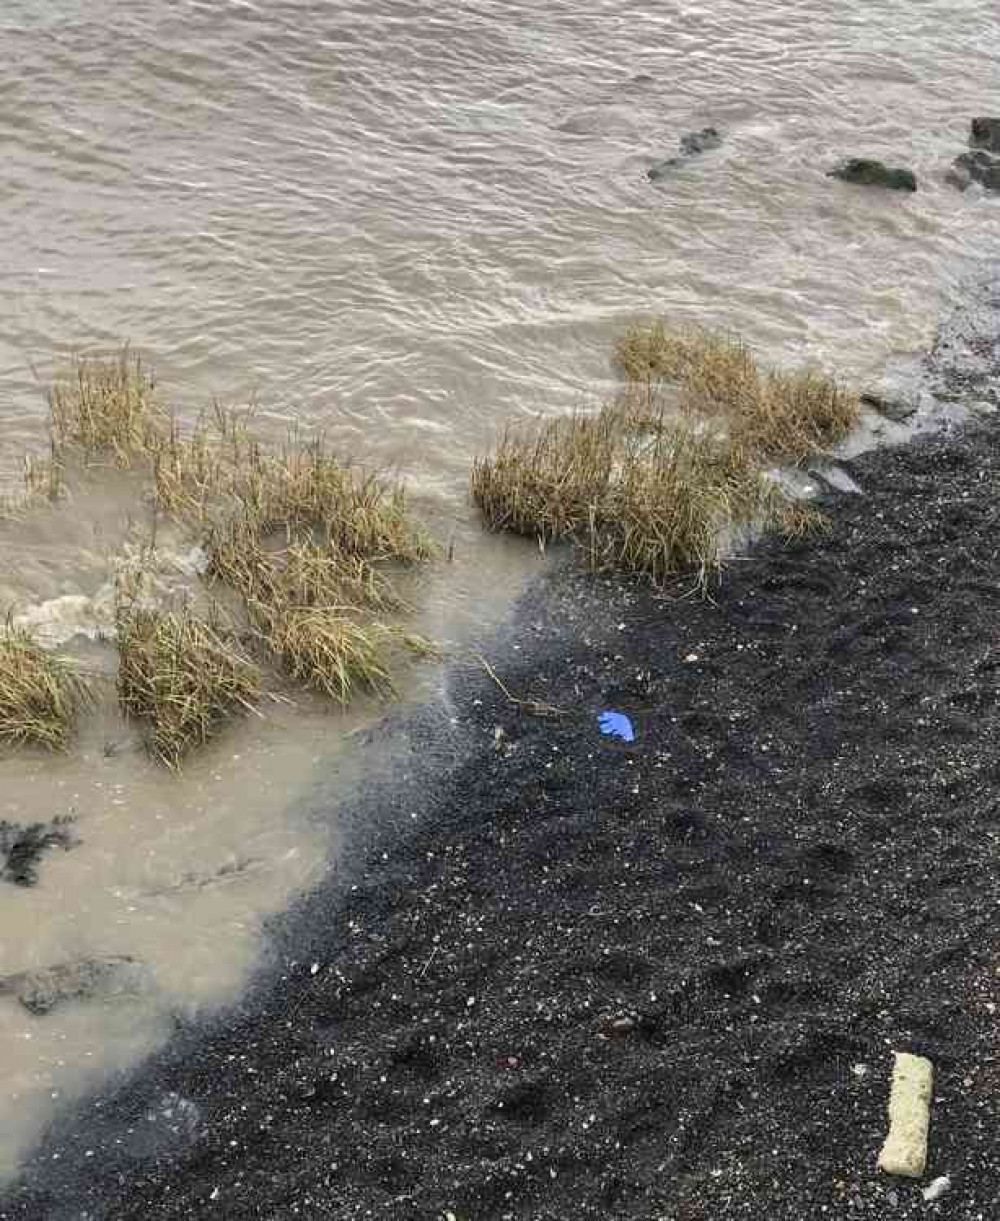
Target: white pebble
x=936 y=1189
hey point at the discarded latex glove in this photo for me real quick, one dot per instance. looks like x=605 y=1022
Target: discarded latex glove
x=616 y=725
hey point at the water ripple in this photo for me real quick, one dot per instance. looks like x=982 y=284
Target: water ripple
x=396 y=219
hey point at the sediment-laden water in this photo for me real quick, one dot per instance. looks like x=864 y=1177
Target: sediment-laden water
x=402 y=223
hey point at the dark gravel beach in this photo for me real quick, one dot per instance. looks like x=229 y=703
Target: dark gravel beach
x=563 y=977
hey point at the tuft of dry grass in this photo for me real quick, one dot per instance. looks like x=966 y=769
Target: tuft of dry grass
x=675 y=503
x=189 y=475
x=305 y=542
x=180 y=675
x=792 y=415
x=660 y=500
x=43 y=480
x=310 y=574
x=797 y=519
x=107 y=407
x=307 y=605
x=325 y=648
x=41 y=695
x=306 y=488
x=545 y=480
x=309 y=543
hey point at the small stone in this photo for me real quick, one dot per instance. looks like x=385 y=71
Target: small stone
x=975 y=167
x=623 y=1025
x=864 y=171
x=937 y=1188
x=985 y=133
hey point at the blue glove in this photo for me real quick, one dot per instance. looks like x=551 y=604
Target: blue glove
x=616 y=725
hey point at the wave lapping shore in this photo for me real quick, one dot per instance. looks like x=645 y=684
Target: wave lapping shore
x=560 y=976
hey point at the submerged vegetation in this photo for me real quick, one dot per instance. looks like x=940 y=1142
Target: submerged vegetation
x=107 y=408
x=660 y=480
x=179 y=675
x=307 y=545
x=41 y=695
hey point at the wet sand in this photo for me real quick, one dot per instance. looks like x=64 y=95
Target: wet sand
x=559 y=976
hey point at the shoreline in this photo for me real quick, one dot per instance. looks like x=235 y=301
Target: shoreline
x=592 y=979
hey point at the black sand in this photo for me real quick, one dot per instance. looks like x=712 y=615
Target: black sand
x=564 y=977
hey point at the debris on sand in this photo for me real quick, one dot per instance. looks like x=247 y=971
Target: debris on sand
x=905 y=1148
x=616 y=725
x=103 y=978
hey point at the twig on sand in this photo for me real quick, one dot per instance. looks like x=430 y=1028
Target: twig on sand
x=532 y=707
x=428 y=962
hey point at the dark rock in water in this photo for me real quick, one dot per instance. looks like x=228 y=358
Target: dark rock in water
x=23 y=846
x=691 y=144
x=868 y=173
x=975 y=167
x=47 y=988
x=985 y=133
x=694 y=142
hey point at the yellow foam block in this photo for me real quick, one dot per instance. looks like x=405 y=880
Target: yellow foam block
x=905 y=1148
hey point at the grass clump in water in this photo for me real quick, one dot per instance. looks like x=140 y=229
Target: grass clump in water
x=310 y=606
x=325 y=648
x=792 y=415
x=658 y=496
x=180 y=675
x=107 y=407
x=306 y=488
x=309 y=543
x=546 y=482
x=311 y=546
x=673 y=506
x=41 y=695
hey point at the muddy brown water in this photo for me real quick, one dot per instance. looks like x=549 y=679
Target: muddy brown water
x=404 y=224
